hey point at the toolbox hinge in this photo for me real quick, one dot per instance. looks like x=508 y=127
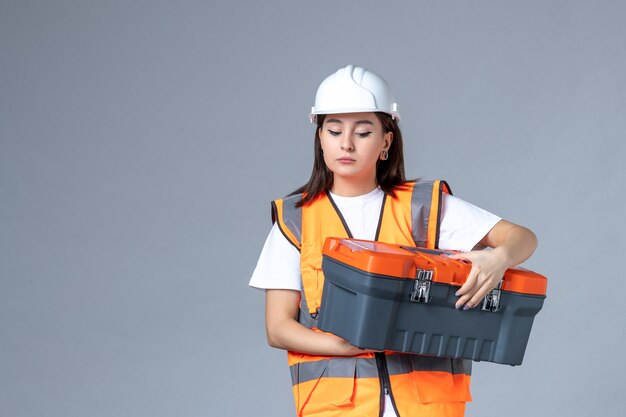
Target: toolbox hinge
x=421 y=290
x=491 y=302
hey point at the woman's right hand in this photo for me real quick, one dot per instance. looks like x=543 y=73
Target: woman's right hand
x=344 y=348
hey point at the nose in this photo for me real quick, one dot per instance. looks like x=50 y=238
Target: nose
x=346 y=142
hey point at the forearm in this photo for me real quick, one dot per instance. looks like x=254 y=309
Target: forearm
x=288 y=334
x=285 y=332
x=517 y=244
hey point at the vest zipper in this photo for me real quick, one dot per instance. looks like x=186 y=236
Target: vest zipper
x=385 y=384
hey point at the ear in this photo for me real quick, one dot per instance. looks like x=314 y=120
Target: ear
x=387 y=139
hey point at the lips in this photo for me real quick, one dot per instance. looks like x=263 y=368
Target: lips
x=345 y=160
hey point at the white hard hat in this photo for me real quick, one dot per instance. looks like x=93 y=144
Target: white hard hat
x=354 y=90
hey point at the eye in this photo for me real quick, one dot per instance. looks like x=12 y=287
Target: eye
x=334 y=132
x=363 y=134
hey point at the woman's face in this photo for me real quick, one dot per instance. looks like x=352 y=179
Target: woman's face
x=352 y=144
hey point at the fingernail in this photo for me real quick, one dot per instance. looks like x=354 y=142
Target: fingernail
x=467 y=307
x=456 y=293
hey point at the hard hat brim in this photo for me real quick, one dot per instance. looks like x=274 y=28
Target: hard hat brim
x=313 y=115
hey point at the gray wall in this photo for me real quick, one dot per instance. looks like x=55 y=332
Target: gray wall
x=140 y=144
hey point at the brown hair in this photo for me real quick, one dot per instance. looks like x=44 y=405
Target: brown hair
x=389 y=173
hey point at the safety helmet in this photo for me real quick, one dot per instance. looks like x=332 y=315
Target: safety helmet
x=354 y=90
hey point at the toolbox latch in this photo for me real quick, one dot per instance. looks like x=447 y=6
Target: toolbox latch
x=491 y=302
x=421 y=290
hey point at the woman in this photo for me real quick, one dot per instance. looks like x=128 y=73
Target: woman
x=358 y=189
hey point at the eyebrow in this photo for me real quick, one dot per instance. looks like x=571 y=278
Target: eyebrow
x=358 y=122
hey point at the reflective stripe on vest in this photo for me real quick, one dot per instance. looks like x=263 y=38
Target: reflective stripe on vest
x=426 y=212
x=348 y=367
x=289 y=219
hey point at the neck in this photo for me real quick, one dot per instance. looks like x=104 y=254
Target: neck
x=352 y=188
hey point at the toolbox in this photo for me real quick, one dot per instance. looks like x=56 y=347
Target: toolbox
x=390 y=297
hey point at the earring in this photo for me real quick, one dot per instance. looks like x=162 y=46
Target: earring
x=384 y=155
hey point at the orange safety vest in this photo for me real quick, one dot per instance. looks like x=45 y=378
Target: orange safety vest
x=329 y=386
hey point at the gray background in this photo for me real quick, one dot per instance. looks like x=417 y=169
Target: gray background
x=140 y=144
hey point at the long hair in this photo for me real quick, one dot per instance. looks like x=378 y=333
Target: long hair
x=389 y=173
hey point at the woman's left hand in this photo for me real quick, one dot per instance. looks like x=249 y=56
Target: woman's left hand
x=488 y=267
x=511 y=243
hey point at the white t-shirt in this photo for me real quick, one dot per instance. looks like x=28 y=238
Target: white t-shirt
x=462 y=226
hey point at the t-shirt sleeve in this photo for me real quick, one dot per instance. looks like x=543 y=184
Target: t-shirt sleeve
x=463 y=224
x=278 y=266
